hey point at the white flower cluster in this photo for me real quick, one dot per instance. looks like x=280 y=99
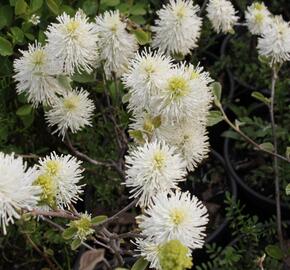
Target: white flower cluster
x=222 y=15
x=54 y=182
x=74 y=45
x=178 y=28
x=273 y=32
x=169 y=103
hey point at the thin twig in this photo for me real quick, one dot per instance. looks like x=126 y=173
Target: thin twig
x=62 y=214
x=82 y=156
x=117 y=215
x=275 y=163
x=46 y=258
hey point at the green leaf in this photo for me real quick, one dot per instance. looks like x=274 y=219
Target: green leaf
x=5 y=47
x=24 y=110
x=53 y=6
x=141 y=264
x=126 y=98
x=29 y=36
x=274 y=252
x=287 y=189
x=98 y=219
x=259 y=96
x=137 y=135
x=90 y=7
x=156 y=121
x=138 y=9
x=69 y=232
x=110 y=3
x=217 y=92
x=36 y=5
x=142 y=36
x=75 y=243
x=84 y=77
x=6 y=16
x=64 y=81
x=27 y=120
x=138 y=19
x=20 y=7
x=18 y=35
x=214 y=117
x=264 y=59
x=178 y=56
x=67 y=9
x=231 y=134
x=267 y=146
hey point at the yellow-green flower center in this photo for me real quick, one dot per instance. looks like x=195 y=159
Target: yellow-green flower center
x=149 y=68
x=72 y=26
x=177 y=216
x=174 y=255
x=159 y=160
x=48 y=187
x=180 y=12
x=258 y=6
x=71 y=103
x=83 y=225
x=52 y=167
x=38 y=57
x=178 y=86
x=259 y=18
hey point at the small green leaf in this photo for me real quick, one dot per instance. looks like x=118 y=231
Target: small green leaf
x=274 y=252
x=178 y=56
x=75 y=243
x=267 y=146
x=142 y=37
x=287 y=189
x=214 y=118
x=36 y=5
x=264 y=59
x=156 y=121
x=84 y=77
x=90 y=7
x=69 y=233
x=126 y=98
x=18 y=35
x=53 y=6
x=98 y=219
x=64 y=81
x=5 y=47
x=140 y=264
x=138 y=9
x=259 y=96
x=217 y=92
x=20 y=7
x=231 y=134
x=110 y=3
x=137 y=135
x=24 y=110
x=6 y=15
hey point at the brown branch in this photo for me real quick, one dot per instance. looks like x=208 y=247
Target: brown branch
x=41 y=253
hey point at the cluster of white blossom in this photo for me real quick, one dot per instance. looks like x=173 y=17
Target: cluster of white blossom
x=170 y=104
x=178 y=28
x=73 y=45
x=273 y=32
x=54 y=182
x=222 y=15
